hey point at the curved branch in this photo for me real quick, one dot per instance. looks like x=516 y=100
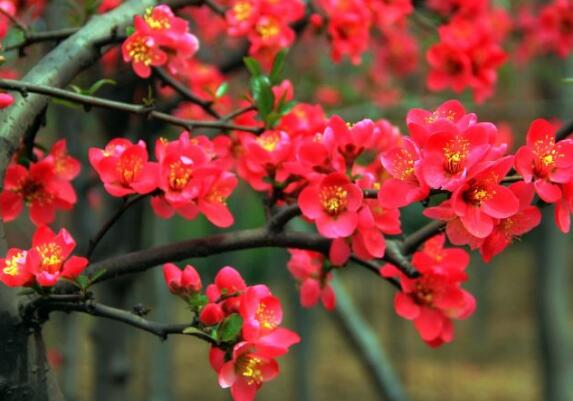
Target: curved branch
x=180 y=88
x=139 y=109
x=105 y=228
x=417 y=238
x=162 y=330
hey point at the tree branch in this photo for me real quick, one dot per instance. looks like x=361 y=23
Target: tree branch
x=162 y=330
x=180 y=88
x=417 y=238
x=105 y=228
x=139 y=109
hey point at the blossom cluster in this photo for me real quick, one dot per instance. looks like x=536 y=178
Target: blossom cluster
x=265 y=23
x=244 y=322
x=453 y=153
x=45 y=263
x=189 y=177
x=434 y=299
x=43 y=185
x=546 y=30
x=468 y=54
x=159 y=38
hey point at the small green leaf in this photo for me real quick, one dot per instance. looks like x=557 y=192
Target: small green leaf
x=231 y=327
x=99 y=84
x=97 y=276
x=278 y=66
x=192 y=330
x=287 y=107
x=568 y=80
x=83 y=281
x=253 y=66
x=263 y=95
x=129 y=31
x=222 y=90
x=197 y=301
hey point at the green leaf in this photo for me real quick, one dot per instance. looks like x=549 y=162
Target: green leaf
x=97 y=276
x=222 y=90
x=278 y=66
x=192 y=330
x=253 y=66
x=197 y=301
x=231 y=327
x=129 y=31
x=286 y=107
x=99 y=84
x=263 y=95
x=568 y=80
x=83 y=281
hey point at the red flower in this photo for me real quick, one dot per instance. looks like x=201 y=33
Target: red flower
x=40 y=188
x=527 y=218
x=261 y=312
x=423 y=123
x=211 y=314
x=49 y=259
x=6 y=100
x=248 y=369
x=481 y=199
x=332 y=203
x=449 y=154
x=564 y=208
x=406 y=185
x=13 y=269
x=308 y=269
x=124 y=168
x=216 y=188
x=436 y=297
x=546 y=163
x=65 y=166
x=143 y=52
x=182 y=282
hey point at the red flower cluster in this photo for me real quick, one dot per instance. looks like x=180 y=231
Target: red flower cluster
x=434 y=299
x=309 y=269
x=190 y=175
x=468 y=55
x=160 y=38
x=247 y=359
x=265 y=23
x=546 y=30
x=318 y=161
x=452 y=152
x=549 y=166
x=44 y=186
x=45 y=263
x=350 y=22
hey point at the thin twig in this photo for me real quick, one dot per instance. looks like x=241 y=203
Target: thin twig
x=238 y=112
x=15 y=20
x=162 y=330
x=24 y=88
x=113 y=219
x=417 y=238
x=180 y=88
x=38 y=37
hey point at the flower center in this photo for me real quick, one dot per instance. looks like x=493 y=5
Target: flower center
x=266 y=317
x=33 y=191
x=51 y=255
x=242 y=10
x=476 y=194
x=249 y=367
x=179 y=175
x=268 y=29
x=334 y=199
x=129 y=168
x=455 y=153
x=423 y=295
x=268 y=142
x=156 y=22
x=139 y=50
x=13 y=264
